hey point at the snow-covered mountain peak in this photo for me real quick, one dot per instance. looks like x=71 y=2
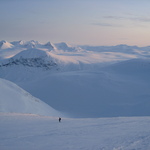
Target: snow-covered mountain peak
x=65 y=47
x=32 y=53
x=3 y=41
x=4 y=44
x=18 y=43
x=31 y=44
x=62 y=45
x=31 y=58
x=50 y=46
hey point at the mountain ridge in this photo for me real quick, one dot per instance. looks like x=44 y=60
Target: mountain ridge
x=84 y=82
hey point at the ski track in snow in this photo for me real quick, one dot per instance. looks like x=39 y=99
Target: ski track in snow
x=33 y=132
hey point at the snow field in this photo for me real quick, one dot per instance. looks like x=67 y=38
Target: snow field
x=94 y=93
x=33 y=132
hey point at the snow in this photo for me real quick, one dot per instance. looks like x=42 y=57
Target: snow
x=50 y=46
x=5 y=45
x=31 y=53
x=33 y=132
x=31 y=44
x=18 y=43
x=101 y=93
x=16 y=100
x=64 y=46
x=83 y=81
x=78 y=56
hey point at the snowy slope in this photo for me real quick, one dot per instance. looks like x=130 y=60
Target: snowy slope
x=132 y=67
x=15 y=100
x=27 y=65
x=8 y=50
x=30 y=132
x=32 y=58
x=83 y=81
x=5 y=45
x=119 y=90
x=49 y=46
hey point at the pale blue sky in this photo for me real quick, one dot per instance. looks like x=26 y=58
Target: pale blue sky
x=92 y=22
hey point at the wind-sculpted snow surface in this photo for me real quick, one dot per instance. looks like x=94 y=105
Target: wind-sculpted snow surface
x=15 y=100
x=32 y=132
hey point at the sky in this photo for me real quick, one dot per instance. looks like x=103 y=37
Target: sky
x=81 y=22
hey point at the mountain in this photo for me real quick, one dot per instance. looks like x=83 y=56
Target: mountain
x=50 y=46
x=62 y=46
x=67 y=48
x=97 y=82
x=85 y=82
x=16 y=100
x=18 y=43
x=5 y=45
x=133 y=67
x=125 y=49
x=32 y=58
x=31 y=44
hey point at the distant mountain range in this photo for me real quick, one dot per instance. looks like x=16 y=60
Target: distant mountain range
x=83 y=81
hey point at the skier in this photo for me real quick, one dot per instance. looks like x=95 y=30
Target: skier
x=59 y=119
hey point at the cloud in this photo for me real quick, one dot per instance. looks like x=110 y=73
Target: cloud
x=131 y=18
x=103 y=24
x=141 y=19
x=113 y=17
x=123 y=21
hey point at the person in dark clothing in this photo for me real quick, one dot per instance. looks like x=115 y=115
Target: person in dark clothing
x=59 y=119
